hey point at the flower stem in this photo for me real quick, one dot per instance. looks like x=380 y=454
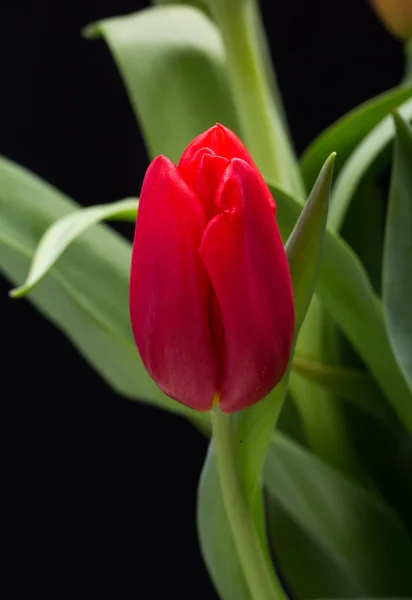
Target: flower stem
x=259 y=578
x=260 y=120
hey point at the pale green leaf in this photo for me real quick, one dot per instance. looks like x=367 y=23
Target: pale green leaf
x=172 y=63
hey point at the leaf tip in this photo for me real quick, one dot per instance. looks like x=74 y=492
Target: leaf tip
x=402 y=127
x=19 y=292
x=330 y=164
x=91 y=32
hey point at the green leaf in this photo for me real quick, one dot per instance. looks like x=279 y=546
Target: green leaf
x=348 y=296
x=304 y=245
x=254 y=426
x=397 y=268
x=64 y=231
x=307 y=569
x=171 y=60
x=359 y=163
x=344 y=135
x=353 y=385
x=362 y=536
x=88 y=304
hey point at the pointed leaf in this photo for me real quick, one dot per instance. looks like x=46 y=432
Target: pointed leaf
x=304 y=245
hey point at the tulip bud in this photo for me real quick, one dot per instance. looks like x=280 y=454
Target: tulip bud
x=396 y=15
x=211 y=298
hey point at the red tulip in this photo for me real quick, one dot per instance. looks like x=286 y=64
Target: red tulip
x=211 y=299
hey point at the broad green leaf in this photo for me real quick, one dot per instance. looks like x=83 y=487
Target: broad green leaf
x=359 y=163
x=86 y=294
x=348 y=296
x=171 y=60
x=397 y=274
x=344 y=135
x=353 y=385
x=64 y=231
x=254 y=426
x=361 y=535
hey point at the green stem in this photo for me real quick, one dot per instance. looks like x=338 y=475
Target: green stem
x=260 y=121
x=260 y=580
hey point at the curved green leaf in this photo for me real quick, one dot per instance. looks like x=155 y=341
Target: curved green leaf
x=397 y=271
x=363 y=536
x=360 y=161
x=344 y=135
x=64 y=231
x=89 y=304
x=171 y=60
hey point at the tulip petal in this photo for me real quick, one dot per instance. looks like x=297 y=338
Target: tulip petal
x=221 y=141
x=244 y=256
x=203 y=175
x=170 y=290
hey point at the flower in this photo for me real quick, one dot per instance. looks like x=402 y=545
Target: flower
x=211 y=298
x=396 y=15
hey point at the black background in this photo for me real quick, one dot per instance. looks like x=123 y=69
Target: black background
x=100 y=492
